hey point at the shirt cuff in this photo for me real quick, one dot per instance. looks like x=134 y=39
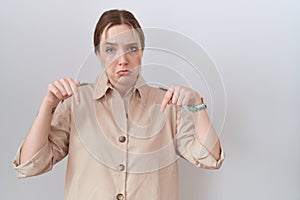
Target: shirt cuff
x=40 y=163
x=201 y=157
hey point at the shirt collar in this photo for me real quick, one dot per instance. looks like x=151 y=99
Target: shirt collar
x=102 y=85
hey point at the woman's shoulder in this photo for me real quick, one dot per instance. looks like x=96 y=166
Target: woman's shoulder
x=154 y=93
x=85 y=86
x=86 y=89
x=157 y=90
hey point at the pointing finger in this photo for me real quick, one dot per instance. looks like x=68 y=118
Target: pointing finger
x=167 y=98
x=175 y=96
x=74 y=86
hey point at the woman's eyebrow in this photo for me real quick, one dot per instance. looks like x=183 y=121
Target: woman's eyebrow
x=132 y=43
x=116 y=44
x=110 y=43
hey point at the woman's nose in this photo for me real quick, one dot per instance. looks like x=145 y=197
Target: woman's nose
x=122 y=59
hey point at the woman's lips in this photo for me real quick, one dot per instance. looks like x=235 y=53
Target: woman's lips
x=123 y=72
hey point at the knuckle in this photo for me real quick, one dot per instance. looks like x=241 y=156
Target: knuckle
x=57 y=93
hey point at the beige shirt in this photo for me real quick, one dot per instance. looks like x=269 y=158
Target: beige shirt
x=119 y=147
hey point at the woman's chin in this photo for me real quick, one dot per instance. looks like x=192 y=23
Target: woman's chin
x=127 y=79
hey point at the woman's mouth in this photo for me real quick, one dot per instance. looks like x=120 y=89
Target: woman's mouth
x=123 y=72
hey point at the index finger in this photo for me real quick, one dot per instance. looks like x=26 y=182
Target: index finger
x=166 y=99
x=74 y=85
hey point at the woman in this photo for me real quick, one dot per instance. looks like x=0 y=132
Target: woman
x=122 y=137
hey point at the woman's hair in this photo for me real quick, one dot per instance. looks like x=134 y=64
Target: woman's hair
x=116 y=17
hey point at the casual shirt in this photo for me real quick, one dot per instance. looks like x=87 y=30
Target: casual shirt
x=119 y=147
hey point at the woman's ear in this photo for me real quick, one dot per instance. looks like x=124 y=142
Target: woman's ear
x=97 y=52
x=98 y=55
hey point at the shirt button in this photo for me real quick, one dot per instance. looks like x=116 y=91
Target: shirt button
x=122 y=138
x=121 y=167
x=120 y=196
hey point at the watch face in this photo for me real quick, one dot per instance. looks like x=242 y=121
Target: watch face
x=196 y=108
x=191 y=108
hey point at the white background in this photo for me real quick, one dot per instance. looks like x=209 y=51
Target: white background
x=255 y=45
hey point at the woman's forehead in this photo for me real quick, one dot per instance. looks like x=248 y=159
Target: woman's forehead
x=120 y=34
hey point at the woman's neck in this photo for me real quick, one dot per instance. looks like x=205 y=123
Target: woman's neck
x=125 y=83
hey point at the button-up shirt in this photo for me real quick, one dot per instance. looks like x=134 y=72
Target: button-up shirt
x=119 y=147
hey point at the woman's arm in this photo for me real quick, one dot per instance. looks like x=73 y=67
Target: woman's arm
x=39 y=132
x=205 y=132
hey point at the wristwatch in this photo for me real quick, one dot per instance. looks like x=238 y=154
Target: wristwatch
x=198 y=107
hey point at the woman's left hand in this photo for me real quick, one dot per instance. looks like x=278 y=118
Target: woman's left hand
x=181 y=96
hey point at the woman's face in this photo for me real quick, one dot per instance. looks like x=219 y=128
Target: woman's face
x=121 y=54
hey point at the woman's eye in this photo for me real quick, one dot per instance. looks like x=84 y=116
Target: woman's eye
x=110 y=50
x=133 y=48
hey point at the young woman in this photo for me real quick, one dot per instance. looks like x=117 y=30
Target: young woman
x=122 y=137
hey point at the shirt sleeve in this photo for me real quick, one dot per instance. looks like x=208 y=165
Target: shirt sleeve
x=189 y=147
x=54 y=149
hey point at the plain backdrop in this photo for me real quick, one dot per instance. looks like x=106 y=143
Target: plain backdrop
x=254 y=44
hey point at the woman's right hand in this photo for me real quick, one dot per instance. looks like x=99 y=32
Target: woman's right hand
x=61 y=89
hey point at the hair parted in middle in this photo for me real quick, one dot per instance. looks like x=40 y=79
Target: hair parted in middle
x=116 y=17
